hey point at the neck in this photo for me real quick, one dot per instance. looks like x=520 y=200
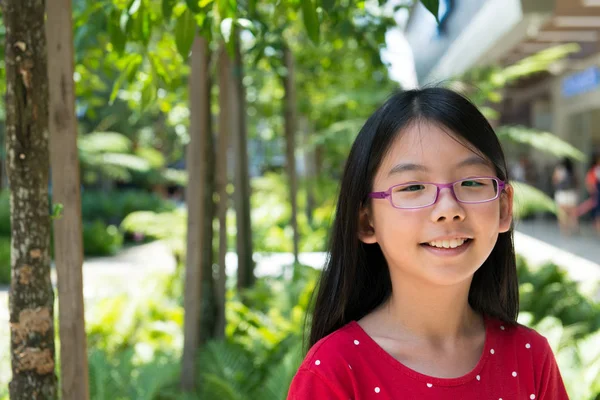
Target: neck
x=437 y=315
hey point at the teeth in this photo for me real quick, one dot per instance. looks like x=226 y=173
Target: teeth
x=447 y=244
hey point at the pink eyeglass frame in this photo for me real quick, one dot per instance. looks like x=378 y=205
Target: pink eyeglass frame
x=439 y=186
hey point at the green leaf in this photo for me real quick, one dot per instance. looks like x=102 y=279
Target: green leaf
x=311 y=20
x=433 y=6
x=328 y=5
x=193 y=6
x=116 y=34
x=540 y=140
x=251 y=7
x=529 y=200
x=167 y=9
x=185 y=31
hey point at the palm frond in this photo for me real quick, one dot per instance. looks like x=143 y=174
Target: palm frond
x=540 y=140
x=104 y=142
x=529 y=200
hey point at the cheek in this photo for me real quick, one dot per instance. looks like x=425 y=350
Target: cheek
x=393 y=227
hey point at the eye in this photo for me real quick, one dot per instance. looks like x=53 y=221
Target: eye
x=410 y=188
x=473 y=183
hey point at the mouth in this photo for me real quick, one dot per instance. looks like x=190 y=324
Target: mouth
x=448 y=244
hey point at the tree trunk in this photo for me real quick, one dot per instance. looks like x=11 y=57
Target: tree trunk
x=31 y=296
x=195 y=198
x=68 y=239
x=310 y=168
x=226 y=122
x=209 y=298
x=245 y=267
x=289 y=99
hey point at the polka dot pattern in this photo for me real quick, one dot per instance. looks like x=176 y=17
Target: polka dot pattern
x=483 y=374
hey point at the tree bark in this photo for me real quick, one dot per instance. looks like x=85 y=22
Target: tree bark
x=31 y=296
x=226 y=123
x=290 y=115
x=195 y=198
x=310 y=168
x=245 y=267
x=209 y=299
x=68 y=237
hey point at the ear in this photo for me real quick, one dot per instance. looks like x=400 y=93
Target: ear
x=366 y=232
x=506 y=209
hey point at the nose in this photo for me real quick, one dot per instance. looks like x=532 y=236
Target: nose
x=447 y=208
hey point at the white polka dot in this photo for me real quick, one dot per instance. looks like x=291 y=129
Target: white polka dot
x=377 y=390
x=356 y=342
x=492 y=351
x=318 y=362
x=527 y=346
x=500 y=398
x=502 y=327
x=478 y=378
x=514 y=373
x=532 y=396
x=349 y=366
x=429 y=385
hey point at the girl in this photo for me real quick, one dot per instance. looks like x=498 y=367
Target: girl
x=419 y=297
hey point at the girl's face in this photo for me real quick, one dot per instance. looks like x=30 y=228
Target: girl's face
x=411 y=238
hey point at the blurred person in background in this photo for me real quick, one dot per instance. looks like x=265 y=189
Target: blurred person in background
x=564 y=181
x=592 y=182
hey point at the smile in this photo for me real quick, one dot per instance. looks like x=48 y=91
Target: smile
x=447 y=244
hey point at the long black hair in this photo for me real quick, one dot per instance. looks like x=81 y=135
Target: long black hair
x=356 y=279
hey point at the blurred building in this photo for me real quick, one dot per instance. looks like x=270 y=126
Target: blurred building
x=564 y=100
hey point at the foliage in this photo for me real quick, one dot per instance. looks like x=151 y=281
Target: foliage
x=157 y=225
x=100 y=239
x=114 y=206
x=541 y=141
x=112 y=155
x=484 y=85
x=528 y=200
x=4 y=260
x=134 y=342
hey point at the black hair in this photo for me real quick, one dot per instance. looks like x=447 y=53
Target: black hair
x=568 y=164
x=356 y=279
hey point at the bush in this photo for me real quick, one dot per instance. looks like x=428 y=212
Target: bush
x=112 y=207
x=100 y=239
x=4 y=260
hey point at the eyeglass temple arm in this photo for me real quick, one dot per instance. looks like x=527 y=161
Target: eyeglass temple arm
x=378 y=195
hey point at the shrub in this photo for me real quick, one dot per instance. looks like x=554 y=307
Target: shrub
x=112 y=207
x=100 y=239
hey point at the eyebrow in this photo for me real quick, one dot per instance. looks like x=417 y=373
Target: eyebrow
x=473 y=160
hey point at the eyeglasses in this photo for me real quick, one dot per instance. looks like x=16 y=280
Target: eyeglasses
x=424 y=194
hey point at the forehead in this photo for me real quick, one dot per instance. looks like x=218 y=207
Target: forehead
x=432 y=146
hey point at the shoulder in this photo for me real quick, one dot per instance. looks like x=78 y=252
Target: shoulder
x=522 y=342
x=330 y=351
x=326 y=371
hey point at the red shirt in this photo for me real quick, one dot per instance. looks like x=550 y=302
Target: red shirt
x=517 y=363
